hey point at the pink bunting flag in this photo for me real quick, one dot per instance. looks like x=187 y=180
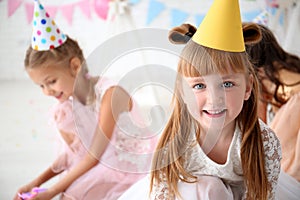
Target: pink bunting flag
x=67 y=11
x=101 y=8
x=84 y=5
x=13 y=5
x=29 y=11
x=272 y=3
x=52 y=10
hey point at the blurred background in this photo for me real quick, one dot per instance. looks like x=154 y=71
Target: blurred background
x=26 y=140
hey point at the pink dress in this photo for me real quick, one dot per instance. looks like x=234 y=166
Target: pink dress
x=126 y=159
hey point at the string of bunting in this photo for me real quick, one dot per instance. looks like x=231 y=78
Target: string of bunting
x=178 y=16
x=100 y=7
x=155 y=8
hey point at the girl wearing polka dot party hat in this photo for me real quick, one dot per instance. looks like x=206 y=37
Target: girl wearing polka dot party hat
x=86 y=119
x=213 y=146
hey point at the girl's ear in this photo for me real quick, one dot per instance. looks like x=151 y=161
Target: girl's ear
x=75 y=66
x=249 y=86
x=252 y=33
x=182 y=34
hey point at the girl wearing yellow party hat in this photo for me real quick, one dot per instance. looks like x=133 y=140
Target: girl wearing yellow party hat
x=86 y=117
x=279 y=75
x=214 y=146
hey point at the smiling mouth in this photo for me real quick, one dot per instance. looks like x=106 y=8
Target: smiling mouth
x=59 y=96
x=215 y=113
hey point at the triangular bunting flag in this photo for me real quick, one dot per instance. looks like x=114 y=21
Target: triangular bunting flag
x=67 y=11
x=29 y=10
x=52 y=10
x=249 y=16
x=133 y=2
x=272 y=10
x=178 y=17
x=85 y=8
x=199 y=19
x=282 y=19
x=101 y=8
x=155 y=8
x=13 y=5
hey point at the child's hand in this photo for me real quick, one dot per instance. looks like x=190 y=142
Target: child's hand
x=45 y=195
x=23 y=189
x=32 y=194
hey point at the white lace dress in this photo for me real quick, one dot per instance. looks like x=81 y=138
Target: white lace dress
x=230 y=173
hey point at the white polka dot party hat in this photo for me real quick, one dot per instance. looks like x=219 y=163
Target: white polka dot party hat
x=45 y=33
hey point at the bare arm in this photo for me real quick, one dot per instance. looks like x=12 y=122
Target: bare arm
x=114 y=102
x=286 y=125
x=42 y=178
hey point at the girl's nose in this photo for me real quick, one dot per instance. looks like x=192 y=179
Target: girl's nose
x=48 y=91
x=216 y=96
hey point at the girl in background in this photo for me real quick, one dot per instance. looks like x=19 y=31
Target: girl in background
x=279 y=103
x=95 y=162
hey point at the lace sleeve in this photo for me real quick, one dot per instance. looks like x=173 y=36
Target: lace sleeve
x=160 y=190
x=273 y=157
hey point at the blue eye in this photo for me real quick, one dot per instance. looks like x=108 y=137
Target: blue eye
x=199 y=86
x=227 y=84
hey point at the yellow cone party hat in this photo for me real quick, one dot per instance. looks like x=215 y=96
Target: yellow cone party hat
x=222 y=27
x=45 y=33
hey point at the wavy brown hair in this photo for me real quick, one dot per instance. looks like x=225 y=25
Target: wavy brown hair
x=268 y=55
x=168 y=161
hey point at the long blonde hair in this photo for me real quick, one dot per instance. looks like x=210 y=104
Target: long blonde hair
x=168 y=161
